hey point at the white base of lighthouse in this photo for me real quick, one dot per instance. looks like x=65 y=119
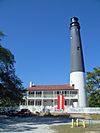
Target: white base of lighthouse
x=78 y=79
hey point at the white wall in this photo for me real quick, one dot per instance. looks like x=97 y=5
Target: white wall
x=78 y=79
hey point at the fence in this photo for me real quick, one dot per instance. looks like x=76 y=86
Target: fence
x=88 y=110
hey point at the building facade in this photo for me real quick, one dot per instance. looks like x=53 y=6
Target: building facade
x=43 y=98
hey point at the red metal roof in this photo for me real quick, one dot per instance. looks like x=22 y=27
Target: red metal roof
x=50 y=87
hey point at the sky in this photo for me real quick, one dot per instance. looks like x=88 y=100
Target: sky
x=39 y=37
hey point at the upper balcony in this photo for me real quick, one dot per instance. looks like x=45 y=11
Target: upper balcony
x=52 y=94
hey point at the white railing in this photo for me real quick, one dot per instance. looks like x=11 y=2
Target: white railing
x=89 y=110
x=52 y=96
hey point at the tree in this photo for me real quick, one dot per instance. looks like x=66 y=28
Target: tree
x=93 y=87
x=11 y=89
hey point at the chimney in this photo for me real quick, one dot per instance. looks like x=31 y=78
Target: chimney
x=30 y=85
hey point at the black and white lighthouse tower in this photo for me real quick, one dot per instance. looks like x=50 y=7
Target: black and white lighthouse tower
x=77 y=70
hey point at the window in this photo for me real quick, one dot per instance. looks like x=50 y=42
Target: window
x=55 y=102
x=31 y=102
x=31 y=93
x=38 y=93
x=78 y=48
x=48 y=94
x=38 y=102
x=23 y=102
x=66 y=102
x=73 y=93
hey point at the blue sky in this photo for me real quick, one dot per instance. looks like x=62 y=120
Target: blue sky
x=38 y=35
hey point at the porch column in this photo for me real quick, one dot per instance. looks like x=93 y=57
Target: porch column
x=27 y=99
x=42 y=98
x=53 y=99
x=69 y=98
x=34 y=98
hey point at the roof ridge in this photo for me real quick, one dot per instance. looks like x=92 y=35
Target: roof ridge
x=51 y=87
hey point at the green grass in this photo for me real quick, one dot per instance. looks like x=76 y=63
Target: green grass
x=95 y=116
x=86 y=116
x=67 y=129
x=94 y=128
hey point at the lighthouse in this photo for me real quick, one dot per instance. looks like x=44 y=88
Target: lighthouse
x=77 y=69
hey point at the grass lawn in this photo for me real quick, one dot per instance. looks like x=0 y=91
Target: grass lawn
x=67 y=129
x=95 y=116
x=94 y=128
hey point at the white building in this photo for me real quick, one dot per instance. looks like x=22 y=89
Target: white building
x=45 y=97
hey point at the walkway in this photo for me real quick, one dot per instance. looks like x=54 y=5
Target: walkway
x=29 y=124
